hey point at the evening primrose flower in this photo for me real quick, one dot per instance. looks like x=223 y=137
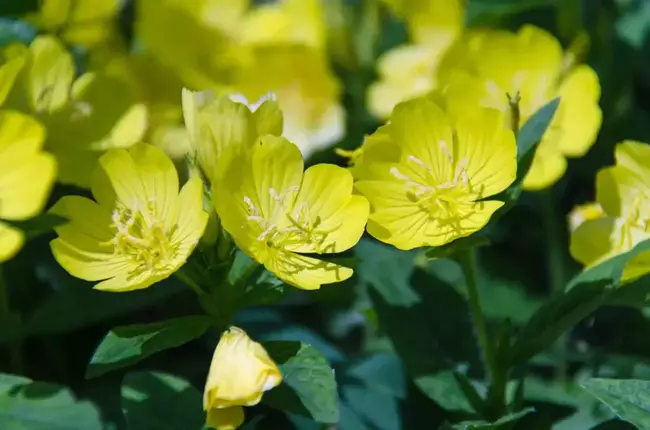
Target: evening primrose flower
x=410 y=70
x=26 y=176
x=285 y=22
x=433 y=188
x=98 y=109
x=306 y=90
x=486 y=66
x=240 y=372
x=622 y=192
x=222 y=127
x=277 y=214
x=139 y=230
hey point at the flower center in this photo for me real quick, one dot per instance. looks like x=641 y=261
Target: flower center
x=637 y=223
x=289 y=225
x=141 y=235
x=433 y=194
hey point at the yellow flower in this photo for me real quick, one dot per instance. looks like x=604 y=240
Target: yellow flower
x=410 y=70
x=276 y=213
x=83 y=116
x=26 y=176
x=427 y=191
x=202 y=49
x=306 y=90
x=139 y=231
x=285 y=22
x=485 y=66
x=428 y=20
x=623 y=193
x=220 y=128
x=584 y=212
x=88 y=23
x=240 y=372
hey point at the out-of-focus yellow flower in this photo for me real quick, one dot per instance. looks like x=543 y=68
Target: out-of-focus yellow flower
x=219 y=128
x=285 y=22
x=240 y=372
x=410 y=70
x=139 y=231
x=429 y=21
x=202 y=49
x=83 y=116
x=83 y=22
x=485 y=66
x=584 y=212
x=26 y=176
x=276 y=213
x=306 y=90
x=430 y=189
x=623 y=193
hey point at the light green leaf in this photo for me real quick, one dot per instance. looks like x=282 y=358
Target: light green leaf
x=629 y=399
x=126 y=345
x=160 y=401
x=308 y=387
x=7 y=381
x=44 y=406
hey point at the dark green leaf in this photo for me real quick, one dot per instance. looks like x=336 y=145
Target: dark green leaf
x=502 y=422
x=126 y=345
x=382 y=372
x=308 y=387
x=43 y=406
x=74 y=304
x=159 y=401
x=629 y=399
x=378 y=409
x=432 y=329
x=15 y=31
x=444 y=389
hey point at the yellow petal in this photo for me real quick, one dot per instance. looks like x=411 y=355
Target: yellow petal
x=305 y=272
x=20 y=135
x=548 y=167
x=117 y=179
x=490 y=151
x=11 y=240
x=192 y=220
x=225 y=419
x=326 y=192
x=591 y=241
x=419 y=126
x=240 y=372
x=579 y=115
x=50 y=74
x=8 y=73
x=268 y=118
x=123 y=282
x=158 y=177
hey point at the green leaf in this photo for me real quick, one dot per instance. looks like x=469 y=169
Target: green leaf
x=502 y=423
x=432 y=330
x=308 y=387
x=159 y=401
x=44 y=406
x=528 y=138
x=382 y=372
x=126 y=345
x=629 y=399
x=445 y=390
x=75 y=304
x=379 y=410
x=587 y=292
x=7 y=381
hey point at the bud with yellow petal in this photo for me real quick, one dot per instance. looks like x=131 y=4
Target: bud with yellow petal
x=240 y=372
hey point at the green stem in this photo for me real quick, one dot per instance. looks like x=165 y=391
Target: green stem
x=468 y=263
x=187 y=280
x=557 y=277
x=15 y=348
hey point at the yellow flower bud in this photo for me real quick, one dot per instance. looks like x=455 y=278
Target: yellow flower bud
x=240 y=372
